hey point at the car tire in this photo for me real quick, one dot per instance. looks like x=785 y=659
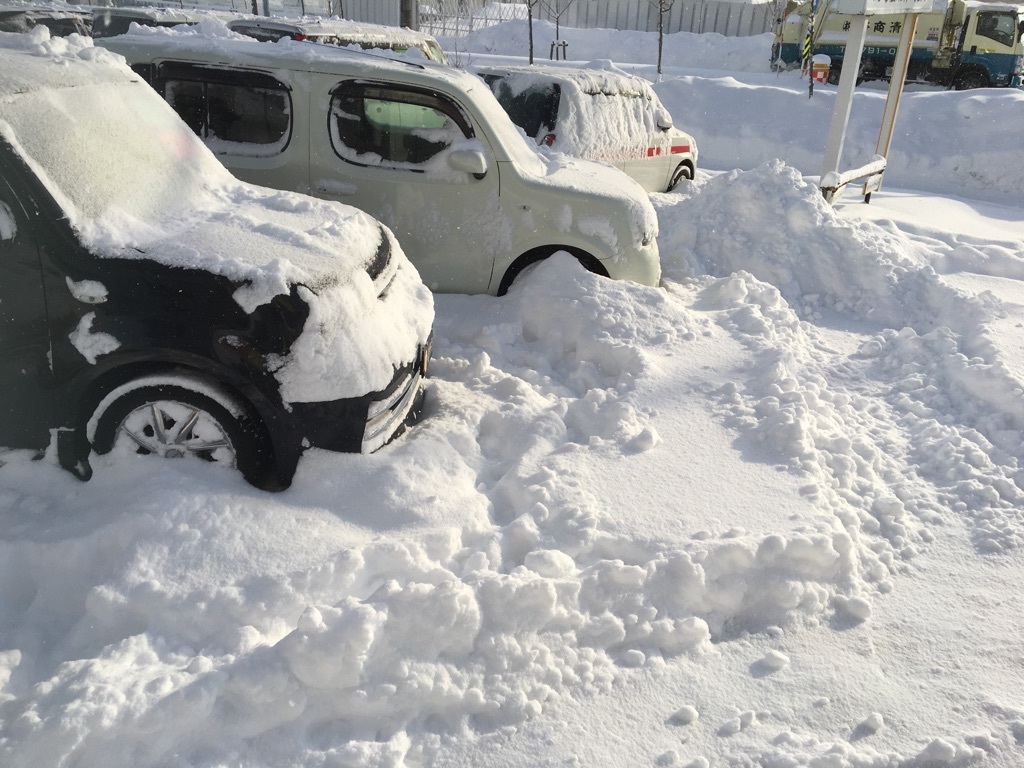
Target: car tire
x=682 y=171
x=172 y=420
x=972 y=78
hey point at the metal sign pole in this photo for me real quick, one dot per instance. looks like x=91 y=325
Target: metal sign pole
x=832 y=181
x=892 y=101
x=844 y=96
x=808 y=65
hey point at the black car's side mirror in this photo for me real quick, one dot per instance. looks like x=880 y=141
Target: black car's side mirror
x=7 y=227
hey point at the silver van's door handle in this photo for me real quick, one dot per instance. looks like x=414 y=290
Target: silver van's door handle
x=336 y=188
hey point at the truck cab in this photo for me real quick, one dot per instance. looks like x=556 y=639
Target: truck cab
x=981 y=45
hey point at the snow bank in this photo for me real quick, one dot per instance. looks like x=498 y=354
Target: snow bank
x=763 y=515
x=946 y=142
x=229 y=628
x=681 y=49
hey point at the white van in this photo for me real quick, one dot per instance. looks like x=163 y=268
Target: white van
x=423 y=147
x=599 y=114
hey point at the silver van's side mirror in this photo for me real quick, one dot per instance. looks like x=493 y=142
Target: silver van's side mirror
x=468 y=161
x=664 y=121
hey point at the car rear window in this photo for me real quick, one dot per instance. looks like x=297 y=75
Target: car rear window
x=236 y=112
x=534 y=109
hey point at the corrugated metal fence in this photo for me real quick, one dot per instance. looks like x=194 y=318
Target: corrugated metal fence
x=457 y=17
x=735 y=19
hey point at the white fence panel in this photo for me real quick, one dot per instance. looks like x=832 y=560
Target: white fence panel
x=372 y=11
x=736 y=19
x=455 y=17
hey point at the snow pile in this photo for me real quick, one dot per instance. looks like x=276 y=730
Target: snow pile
x=948 y=142
x=764 y=515
x=681 y=49
x=233 y=628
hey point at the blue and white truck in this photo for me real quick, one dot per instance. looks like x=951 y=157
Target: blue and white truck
x=970 y=44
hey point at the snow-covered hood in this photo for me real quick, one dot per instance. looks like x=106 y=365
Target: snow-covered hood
x=267 y=240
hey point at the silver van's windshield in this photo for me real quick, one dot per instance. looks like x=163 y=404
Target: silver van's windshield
x=135 y=164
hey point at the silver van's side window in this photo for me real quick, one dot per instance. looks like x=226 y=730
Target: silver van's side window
x=235 y=112
x=8 y=227
x=393 y=127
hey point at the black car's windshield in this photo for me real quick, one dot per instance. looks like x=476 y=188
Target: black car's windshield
x=119 y=160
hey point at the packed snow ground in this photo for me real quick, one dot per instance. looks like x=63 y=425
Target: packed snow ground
x=770 y=514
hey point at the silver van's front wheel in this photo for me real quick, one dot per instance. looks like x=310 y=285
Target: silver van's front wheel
x=682 y=171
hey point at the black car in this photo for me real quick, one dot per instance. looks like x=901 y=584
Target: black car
x=151 y=303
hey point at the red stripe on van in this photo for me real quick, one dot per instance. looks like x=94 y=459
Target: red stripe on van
x=681 y=149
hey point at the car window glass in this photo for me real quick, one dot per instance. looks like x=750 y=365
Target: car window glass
x=188 y=101
x=123 y=181
x=434 y=52
x=997 y=26
x=247 y=115
x=260 y=33
x=536 y=109
x=233 y=118
x=394 y=128
x=8 y=229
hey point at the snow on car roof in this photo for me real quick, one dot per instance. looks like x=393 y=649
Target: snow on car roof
x=33 y=56
x=212 y=37
x=340 y=27
x=590 y=79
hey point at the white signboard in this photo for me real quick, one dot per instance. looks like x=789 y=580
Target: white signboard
x=876 y=7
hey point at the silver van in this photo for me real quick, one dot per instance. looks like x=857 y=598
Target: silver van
x=425 y=148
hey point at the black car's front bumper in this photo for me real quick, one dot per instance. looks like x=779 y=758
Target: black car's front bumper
x=364 y=424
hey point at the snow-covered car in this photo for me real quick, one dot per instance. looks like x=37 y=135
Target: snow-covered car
x=152 y=303
x=60 y=21
x=423 y=147
x=400 y=40
x=111 y=21
x=598 y=114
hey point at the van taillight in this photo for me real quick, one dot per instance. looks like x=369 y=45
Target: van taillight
x=548 y=140
x=298 y=36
